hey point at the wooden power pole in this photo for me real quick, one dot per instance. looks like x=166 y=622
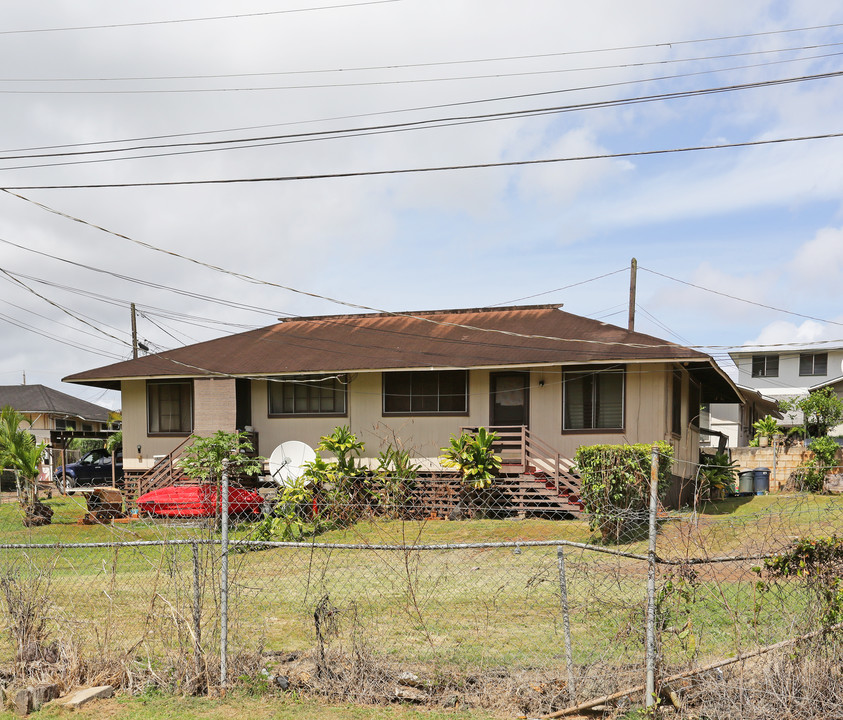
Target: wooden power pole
x=134 y=333
x=633 y=273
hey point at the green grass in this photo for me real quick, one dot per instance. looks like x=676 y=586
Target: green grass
x=468 y=608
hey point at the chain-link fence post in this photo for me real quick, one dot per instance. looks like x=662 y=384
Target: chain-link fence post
x=650 y=691
x=566 y=621
x=197 y=613
x=224 y=580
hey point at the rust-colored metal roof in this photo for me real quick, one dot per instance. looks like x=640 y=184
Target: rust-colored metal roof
x=484 y=337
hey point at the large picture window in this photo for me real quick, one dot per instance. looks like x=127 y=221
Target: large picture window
x=593 y=399
x=169 y=407
x=425 y=392
x=307 y=395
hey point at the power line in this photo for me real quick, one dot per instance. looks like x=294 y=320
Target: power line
x=452 y=121
x=740 y=299
x=374 y=83
x=239 y=16
x=403 y=110
x=438 y=168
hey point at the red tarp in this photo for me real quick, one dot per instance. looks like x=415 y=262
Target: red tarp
x=198 y=501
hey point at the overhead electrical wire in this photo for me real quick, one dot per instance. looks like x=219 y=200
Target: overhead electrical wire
x=438 y=106
x=740 y=299
x=429 y=169
x=238 y=16
x=253 y=280
x=404 y=81
x=453 y=121
x=407 y=66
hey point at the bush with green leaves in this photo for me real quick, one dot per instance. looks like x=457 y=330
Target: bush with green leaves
x=815 y=470
x=718 y=474
x=474 y=456
x=615 y=484
x=819 y=563
x=821 y=410
x=203 y=459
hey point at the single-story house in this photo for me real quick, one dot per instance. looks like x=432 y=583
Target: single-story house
x=51 y=410
x=419 y=377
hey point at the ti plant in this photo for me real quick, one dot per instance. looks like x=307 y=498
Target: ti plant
x=717 y=475
x=474 y=456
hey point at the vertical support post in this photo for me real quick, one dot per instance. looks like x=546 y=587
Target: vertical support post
x=633 y=280
x=134 y=332
x=566 y=622
x=650 y=685
x=63 y=487
x=197 y=613
x=224 y=580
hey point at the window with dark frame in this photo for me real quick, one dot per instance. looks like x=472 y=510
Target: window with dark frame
x=813 y=364
x=425 y=392
x=593 y=400
x=765 y=366
x=64 y=424
x=307 y=395
x=169 y=407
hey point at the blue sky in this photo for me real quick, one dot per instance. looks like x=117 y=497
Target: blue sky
x=761 y=223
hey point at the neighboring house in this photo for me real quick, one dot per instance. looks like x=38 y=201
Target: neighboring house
x=51 y=410
x=734 y=420
x=420 y=377
x=790 y=372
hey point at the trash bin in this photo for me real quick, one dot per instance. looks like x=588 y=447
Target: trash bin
x=761 y=480
x=746 y=482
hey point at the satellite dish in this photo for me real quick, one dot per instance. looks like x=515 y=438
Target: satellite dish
x=286 y=464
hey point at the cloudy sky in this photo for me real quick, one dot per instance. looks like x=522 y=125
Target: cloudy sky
x=139 y=95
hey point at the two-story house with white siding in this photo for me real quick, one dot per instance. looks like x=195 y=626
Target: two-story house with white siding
x=790 y=371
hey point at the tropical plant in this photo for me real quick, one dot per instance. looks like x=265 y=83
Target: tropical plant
x=815 y=470
x=20 y=453
x=474 y=456
x=204 y=459
x=766 y=427
x=615 y=484
x=114 y=441
x=717 y=475
x=395 y=474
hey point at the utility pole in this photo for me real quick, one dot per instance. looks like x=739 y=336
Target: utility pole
x=633 y=273
x=24 y=377
x=134 y=333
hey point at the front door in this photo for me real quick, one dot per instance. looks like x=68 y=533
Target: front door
x=509 y=398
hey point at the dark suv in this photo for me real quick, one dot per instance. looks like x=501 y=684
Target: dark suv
x=93 y=469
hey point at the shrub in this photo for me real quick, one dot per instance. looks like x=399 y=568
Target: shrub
x=615 y=486
x=825 y=455
x=474 y=457
x=717 y=475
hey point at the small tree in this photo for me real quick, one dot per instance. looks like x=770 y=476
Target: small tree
x=203 y=460
x=821 y=410
x=19 y=452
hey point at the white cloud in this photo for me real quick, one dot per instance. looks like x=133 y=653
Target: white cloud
x=784 y=331
x=819 y=262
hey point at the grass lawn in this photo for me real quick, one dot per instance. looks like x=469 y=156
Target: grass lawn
x=465 y=608
x=239 y=705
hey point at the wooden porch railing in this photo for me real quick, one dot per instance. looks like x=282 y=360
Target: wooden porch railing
x=519 y=450
x=161 y=474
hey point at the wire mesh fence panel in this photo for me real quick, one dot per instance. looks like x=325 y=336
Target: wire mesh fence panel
x=525 y=613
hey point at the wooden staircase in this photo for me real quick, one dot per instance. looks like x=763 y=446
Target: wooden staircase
x=535 y=478
x=163 y=473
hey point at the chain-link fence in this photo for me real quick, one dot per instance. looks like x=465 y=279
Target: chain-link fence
x=526 y=613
